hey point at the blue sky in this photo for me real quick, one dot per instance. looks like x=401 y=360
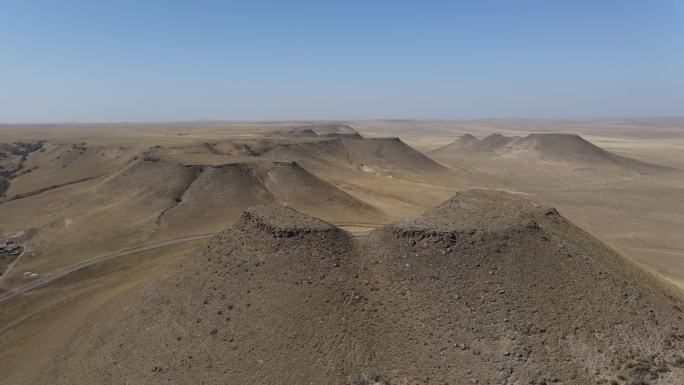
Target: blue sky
x=267 y=60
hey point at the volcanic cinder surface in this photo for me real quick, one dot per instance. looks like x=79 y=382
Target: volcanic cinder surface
x=488 y=288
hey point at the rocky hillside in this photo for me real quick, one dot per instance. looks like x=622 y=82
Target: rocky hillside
x=489 y=288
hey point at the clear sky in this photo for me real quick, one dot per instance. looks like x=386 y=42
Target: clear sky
x=165 y=60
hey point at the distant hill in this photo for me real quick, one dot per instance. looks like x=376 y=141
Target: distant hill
x=321 y=129
x=561 y=148
x=380 y=153
x=219 y=193
x=207 y=197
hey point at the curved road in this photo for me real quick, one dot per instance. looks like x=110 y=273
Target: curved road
x=42 y=281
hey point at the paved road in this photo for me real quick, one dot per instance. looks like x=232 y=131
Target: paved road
x=44 y=280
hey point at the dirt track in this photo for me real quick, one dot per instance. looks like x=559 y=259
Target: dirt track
x=44 y=280
x=11 y=265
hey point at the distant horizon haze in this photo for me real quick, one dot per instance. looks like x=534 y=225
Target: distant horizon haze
x=341 y=120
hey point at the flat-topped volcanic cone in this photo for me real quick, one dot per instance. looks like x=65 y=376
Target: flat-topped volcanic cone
x=388 y=153
x=467 y=143
x=321 y=129
x=573 y=148
x=215 y=195
x=488 y=288
x=334 y=129
x=219 y=193
x=563 y=148
x=376 y=153
x=161 y=199
x=329 y=151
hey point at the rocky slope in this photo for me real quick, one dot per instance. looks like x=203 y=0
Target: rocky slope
x=488 y=288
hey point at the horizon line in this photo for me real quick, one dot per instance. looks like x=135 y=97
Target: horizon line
x=337 y=120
